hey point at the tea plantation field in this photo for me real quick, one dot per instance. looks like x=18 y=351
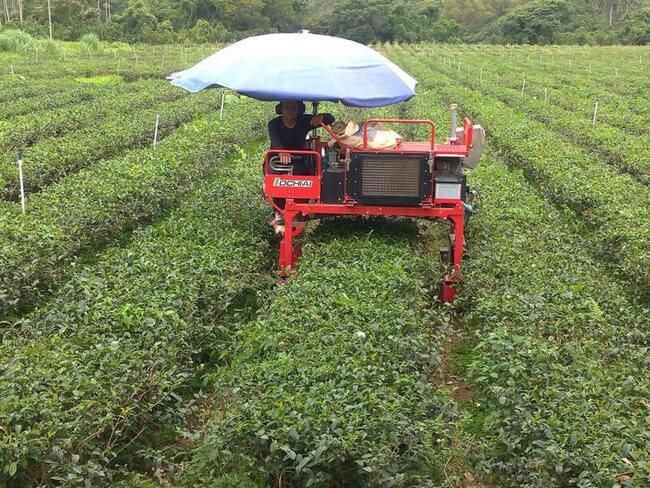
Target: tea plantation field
x=146 y=339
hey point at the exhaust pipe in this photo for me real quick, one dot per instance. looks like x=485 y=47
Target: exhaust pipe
x=453 y=138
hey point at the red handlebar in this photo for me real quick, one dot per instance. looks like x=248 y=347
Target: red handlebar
x=400 y=121
x=301 y=152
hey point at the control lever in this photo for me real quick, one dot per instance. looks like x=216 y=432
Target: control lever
x=277 y=167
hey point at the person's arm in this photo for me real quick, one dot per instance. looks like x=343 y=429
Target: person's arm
x=318 y=119
x=276 y=141
x=274 y=135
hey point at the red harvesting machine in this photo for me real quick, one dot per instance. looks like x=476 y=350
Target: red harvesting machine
x=419 y=179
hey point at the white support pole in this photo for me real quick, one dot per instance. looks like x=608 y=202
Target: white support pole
x=616 y=69
x=155 y=132
x=49 y=17
x=523 y=86
x=593 y=122
x=458 y=65
x=12 y=70
x=21 y=181
x=223 y=99
x=546 y=94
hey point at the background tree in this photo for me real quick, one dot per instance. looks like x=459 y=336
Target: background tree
x=636 y=27
x=521 y=21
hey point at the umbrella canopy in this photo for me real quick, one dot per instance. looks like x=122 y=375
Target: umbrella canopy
x=302 y=66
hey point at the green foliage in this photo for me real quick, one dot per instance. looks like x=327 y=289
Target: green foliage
x=204 y=31
x=137 y=21
x=91 y=43
x=108 y=332
x=54 y=157
x=560 y=346
x=117 y=98
x=635 y=27
x=518 y=21
x=624 y=149
x=330 y=384
x=533 y=23
x=95 y=205
x=570 y=175
x=15 y=41
x=108 y=357
x=382 y=20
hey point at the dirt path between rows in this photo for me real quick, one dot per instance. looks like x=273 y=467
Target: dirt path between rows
x=449 y=377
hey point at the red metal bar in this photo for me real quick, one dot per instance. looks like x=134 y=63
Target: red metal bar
x=290 y=252
x=457 y=209
x=469 y=133
x=329 y=130
x=400 y=121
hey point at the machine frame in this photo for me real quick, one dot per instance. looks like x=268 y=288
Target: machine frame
x=303 y=193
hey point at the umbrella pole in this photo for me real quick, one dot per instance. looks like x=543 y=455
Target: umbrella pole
x=314 y=107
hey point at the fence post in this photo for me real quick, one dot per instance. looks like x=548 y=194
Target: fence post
x=155 y=132
x=21 y=180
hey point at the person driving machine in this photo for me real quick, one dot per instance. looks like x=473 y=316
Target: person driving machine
x=289 y=130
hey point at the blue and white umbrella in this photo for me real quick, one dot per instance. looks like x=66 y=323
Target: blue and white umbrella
x=303 y=66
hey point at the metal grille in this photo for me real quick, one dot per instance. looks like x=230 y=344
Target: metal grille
x=390 y=177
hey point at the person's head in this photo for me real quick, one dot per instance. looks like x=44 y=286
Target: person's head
x=290 y=109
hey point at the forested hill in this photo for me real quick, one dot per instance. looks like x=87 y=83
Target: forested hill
x=495 y=21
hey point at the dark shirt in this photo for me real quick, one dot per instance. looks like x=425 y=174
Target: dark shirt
x=283 y=137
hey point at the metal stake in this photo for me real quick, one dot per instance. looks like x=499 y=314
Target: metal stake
x=593 y=122
x=223 y=99
x=155 y=132
x=21 y=180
